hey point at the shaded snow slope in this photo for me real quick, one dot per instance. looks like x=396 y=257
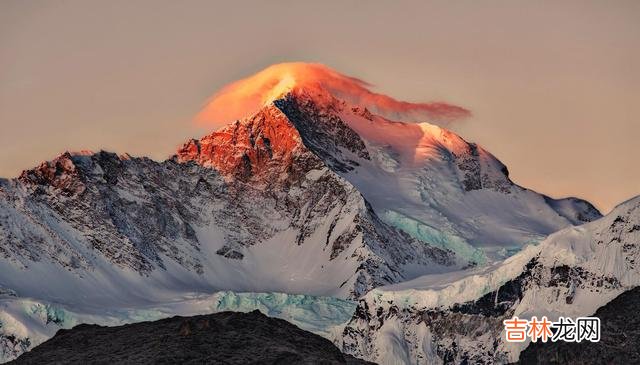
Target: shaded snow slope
x=458 y=318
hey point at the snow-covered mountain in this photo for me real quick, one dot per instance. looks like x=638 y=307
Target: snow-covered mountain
x=305 y=196
x=309 y=193
x=458 y=318
x=247 y=208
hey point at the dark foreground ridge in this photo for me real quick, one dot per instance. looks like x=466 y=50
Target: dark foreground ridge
x=619 y=338
x=221 y=338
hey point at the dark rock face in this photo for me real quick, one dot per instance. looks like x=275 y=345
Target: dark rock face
x=499 y=302
x=619 y=338
x=265 y=147
x=586 y=212
x=222 y=338
x=474 y=176
x=324 y=132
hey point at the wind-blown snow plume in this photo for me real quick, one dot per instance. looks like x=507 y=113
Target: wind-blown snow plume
x=245 y=96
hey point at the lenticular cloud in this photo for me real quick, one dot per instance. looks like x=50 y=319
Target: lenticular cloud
x=243 y=97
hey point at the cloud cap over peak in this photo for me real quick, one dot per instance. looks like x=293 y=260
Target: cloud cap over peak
x=243 y=97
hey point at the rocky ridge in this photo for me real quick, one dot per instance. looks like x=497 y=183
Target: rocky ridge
x=222 y=338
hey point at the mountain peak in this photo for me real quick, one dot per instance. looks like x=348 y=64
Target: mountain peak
x=265 y=142
x=243 y=97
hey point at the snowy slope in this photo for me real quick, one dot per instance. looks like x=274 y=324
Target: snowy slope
x=458 y=318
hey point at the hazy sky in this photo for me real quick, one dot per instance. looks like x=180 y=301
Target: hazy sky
x=554 y=86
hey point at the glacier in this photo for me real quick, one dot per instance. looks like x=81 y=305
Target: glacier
x=437 y=238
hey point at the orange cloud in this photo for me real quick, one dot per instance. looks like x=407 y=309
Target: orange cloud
x=243 y=97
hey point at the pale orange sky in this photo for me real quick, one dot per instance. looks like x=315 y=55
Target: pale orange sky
x=554 y=86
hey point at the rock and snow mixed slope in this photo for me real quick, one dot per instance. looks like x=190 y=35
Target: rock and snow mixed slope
x=458 y=318
x=428 y=181
x=247 y=208
x=619 y=338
